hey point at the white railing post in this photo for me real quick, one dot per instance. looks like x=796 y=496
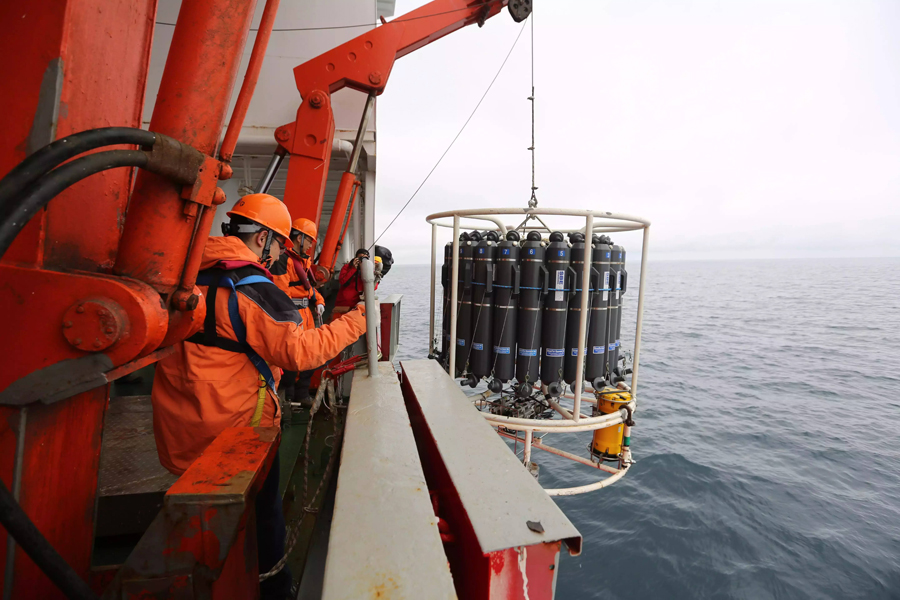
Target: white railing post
x=640 y=312
x=454 y=285
x=582 y=318
x=431 y=346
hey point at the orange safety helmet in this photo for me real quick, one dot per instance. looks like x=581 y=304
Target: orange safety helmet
x=268 y=211
x=306 y=227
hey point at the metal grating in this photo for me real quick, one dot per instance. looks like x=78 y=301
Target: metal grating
x=129 y=463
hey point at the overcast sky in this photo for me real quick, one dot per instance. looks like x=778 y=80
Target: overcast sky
x=741 y=129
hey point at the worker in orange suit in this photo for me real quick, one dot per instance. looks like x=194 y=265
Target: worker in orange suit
x=226 y=374
x=293 y=274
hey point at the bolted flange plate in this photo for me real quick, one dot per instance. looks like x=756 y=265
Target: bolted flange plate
x=93 y=325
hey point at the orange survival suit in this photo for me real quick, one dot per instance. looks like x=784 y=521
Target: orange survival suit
x=200 y=390
x=293 y=271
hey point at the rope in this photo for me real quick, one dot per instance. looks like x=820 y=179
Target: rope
x=293 y=533
x=483 y=96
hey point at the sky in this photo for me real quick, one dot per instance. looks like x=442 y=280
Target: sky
x=763 y=129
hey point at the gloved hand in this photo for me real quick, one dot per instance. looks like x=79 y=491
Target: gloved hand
x=320 y=308
x=361 y=307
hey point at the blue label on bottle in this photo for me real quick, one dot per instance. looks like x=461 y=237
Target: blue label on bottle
x=527 y=351
x=460 y=342
x=607 y=255
x=618 y=343
x=501 y=349
x=531 y=251
x=562 y=252
x=556 y=352
x=612 y=347
x=506 y=251
x=481 y=251
x=597 y=349
x=477 y=346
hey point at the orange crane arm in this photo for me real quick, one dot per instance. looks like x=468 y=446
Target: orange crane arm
x=364 y=64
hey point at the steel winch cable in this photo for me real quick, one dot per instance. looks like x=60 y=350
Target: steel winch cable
x=532 y=203
x=456 y=137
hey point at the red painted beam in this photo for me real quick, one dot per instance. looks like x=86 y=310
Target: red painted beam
x=194 y=92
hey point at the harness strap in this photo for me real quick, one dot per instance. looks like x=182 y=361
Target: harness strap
x=209 y=336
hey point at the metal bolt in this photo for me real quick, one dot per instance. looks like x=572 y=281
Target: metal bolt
x=375 y=78
x=282 y=134
x=317 y=99
x=80 y=309
x=102 y=313
x=67 y=324
x=77 y=341
x=97 y=343
x=192 y=302
x=110 y=330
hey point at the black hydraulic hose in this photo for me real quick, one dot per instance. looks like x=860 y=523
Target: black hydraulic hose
x=49 y=157
x=22 y=208
x=36 y=546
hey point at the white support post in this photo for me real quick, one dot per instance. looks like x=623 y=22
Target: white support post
x=454 y=285
x=529 y=437
x=640 y=312
x=372 y=318
x=582 y=318
x=431 y=346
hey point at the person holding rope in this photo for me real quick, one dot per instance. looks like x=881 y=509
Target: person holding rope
x=294 y=276
x=226 y=374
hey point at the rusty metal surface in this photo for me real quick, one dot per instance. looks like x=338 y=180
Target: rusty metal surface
x=384 y=539
x=499 y=496
x=129 y=463
x=202 y=543
x=232 y=467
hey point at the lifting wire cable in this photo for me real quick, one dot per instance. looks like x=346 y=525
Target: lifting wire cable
x=483 y=96
x=532 y=203
x=373 y=25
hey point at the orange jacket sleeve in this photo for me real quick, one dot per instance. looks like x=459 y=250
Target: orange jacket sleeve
x=285 y=344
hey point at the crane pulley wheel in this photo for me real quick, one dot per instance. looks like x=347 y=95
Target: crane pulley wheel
x=519 y=9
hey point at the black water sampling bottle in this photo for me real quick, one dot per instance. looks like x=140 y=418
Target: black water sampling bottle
x=483 y=307
x=507 y=278
x=614 y=317
x=595 y=369
x=533 y=284
x=556 y=305
x=467 y=243
x=621 y=285
x=446 y=274
x=573 y=320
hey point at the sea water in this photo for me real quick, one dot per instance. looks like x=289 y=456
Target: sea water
x=767 y=435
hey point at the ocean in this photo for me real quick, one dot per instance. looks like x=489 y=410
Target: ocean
x=767 y=435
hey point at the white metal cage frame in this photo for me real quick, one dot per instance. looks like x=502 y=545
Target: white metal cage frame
x=573 y=421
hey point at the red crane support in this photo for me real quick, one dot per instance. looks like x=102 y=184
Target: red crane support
x=364 y=64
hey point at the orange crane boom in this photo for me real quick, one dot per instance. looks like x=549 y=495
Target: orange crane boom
x=364 y=64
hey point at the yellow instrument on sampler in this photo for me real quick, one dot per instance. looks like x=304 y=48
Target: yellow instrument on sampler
x=608 y=442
